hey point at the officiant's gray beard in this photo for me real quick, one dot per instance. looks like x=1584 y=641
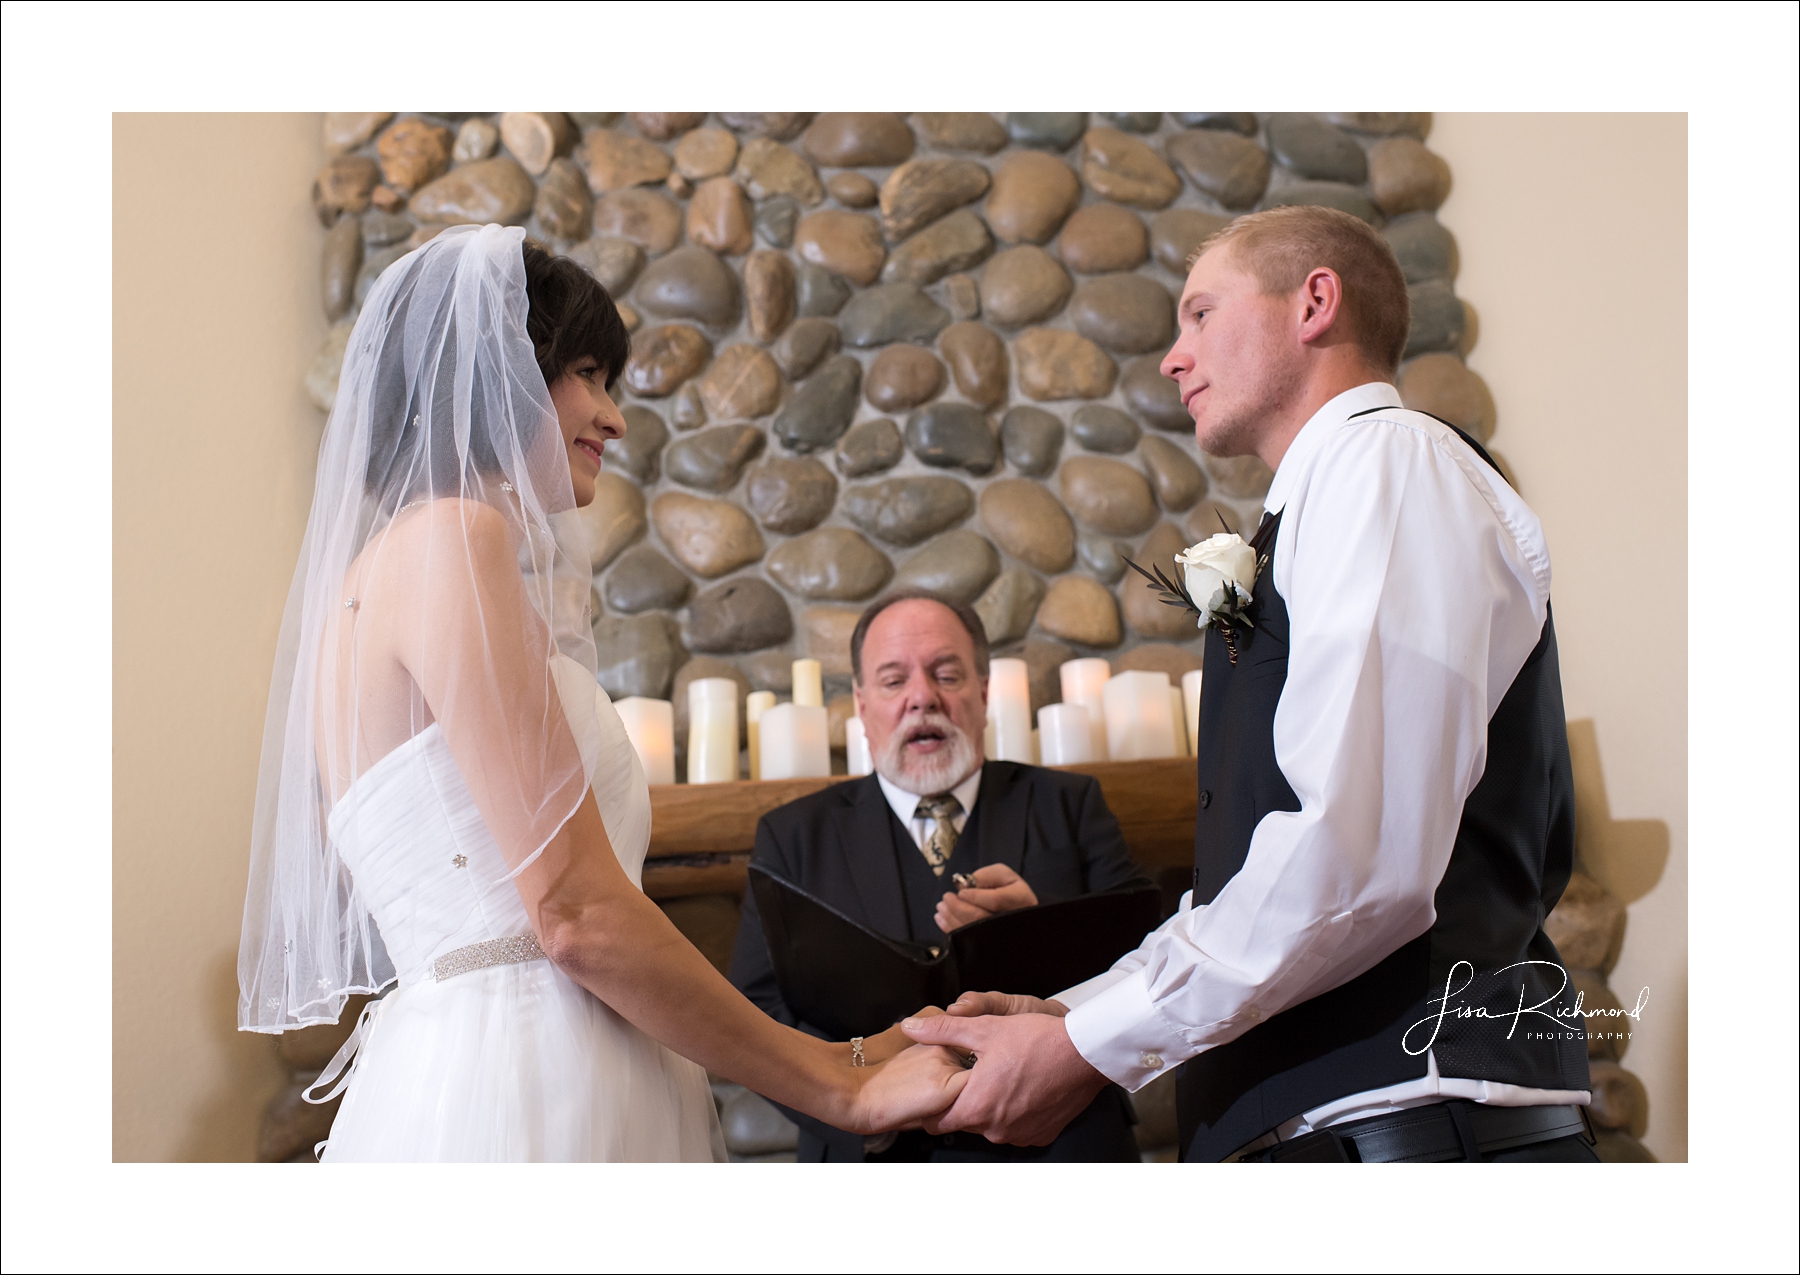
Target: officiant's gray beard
x=930 y=775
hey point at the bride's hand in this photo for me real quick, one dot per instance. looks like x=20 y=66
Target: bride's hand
x=904 y=1091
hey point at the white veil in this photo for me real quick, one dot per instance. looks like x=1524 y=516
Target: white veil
x=442 y=420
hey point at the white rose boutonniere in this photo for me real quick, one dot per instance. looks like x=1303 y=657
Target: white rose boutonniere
x=1218 y=576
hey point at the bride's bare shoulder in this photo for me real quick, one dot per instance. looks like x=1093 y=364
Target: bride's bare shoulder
x=434 y=533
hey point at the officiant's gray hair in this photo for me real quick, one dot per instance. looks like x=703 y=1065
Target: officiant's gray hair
x=964 y=613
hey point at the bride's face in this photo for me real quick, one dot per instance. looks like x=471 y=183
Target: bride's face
x=588 y=417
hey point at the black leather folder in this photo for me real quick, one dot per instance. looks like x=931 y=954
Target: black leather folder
x=848 y=980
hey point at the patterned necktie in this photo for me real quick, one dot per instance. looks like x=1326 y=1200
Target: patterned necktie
x=942 y=840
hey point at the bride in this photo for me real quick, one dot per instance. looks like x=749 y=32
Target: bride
x=448 y=800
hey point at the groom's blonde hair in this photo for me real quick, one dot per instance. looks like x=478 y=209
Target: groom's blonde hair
x=1281 y=246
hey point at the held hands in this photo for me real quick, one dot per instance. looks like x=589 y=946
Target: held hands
x=997 y=889
x=903 y=1084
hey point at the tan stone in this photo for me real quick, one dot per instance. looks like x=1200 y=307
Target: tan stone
x=488 y=190
x=920 y=191
x=1179 y=482
x=1143 y=612
x=614 y=519
x=344 y=185
x=629 y=317
x=1161 y=657
x=1023 y=285
x=414 y=152
x=1443 y=386
x=1609 y=1030
x=903 y=376
x=839 y=709
x=857 y=139
x=387 y=199
x=719 y=217
x=1025 y=521
x=1107 y=496
x=705 y=152
x=679 y=186
x=962 y=297
x=1239 y=477
x=564 y=208
x=1210 y=517
x=768 y=168
x=978 y=361
x=1176 y=233
x=709 y=537
x=1032 y=195
x=1082 y=611
x=853 y=190
x=1471 y=329
x=1233 y=170
x=537 y=137
x=956 y=242
x=346 y=130
x=846 y=243
x=1587 y=924
x=1121 y=167
x=975 y=131
x=649 y=220
x=783 y=126
x=742 y=383
x=662 y=125
x=1406 y=177
x=662 y=358
x=476 y=139
x=1102 y=238
x=1055 y=364
x=618 y=161
x=1620 y=1101
x=825 y=633
x=769 y=292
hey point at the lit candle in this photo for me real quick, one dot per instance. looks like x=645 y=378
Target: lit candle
x=755 y=705
x=712 y=730
x=809 y=688
x=1065 y=734
x=796 y=742
x=1180 y=728
x=650 y=726
x=1190 y=695
x=856 y=748
x=1083 y=683
x=1009 y=709
x=1139 y=724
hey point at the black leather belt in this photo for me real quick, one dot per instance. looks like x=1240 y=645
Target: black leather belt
x=1453 y=1130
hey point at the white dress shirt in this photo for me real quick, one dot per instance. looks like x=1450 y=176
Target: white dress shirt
x=1417 y=583
x=906 y=805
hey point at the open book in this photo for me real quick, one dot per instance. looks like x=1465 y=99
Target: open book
x=847 y=980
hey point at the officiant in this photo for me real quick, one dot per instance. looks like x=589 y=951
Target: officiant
x=935 y=839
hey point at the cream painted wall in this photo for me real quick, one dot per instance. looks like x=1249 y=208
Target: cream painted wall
x=215 y=316
x=1573 y=233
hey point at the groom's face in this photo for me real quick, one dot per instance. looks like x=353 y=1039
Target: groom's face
x=1234 y=358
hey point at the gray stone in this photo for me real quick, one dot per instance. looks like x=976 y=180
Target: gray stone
x=639 y=452
x=975 y=131
x=689 y=410
x=711 y=538
x=1237 y=121
x=776 y=219
x=1423 y=247
x=869 y=447
x=831 y=564
x=614 y=262
x=1129 y=313
x=904 y=511
x=1107 y=496
x=1009 y=604
x=1312 y=148
x=379 y=229
x=771 y=671
x=790 y=495
x=1323 y=195
x=753 y=1126
x=804 y=344
x=958 y=242
x=338 y=265
x=1133 y=121
x=1233 y=170
x=817 y=291
x=1406 y=177
x=1102 y=555
x=891 y=312
x=1025 y=521
x=1178 y=481
x=822 y=407
x=1032 y=440
x=745 y=614
x=638 y=654
x=1046 y=130
x=1239 y=477
x=712 y=459
x=691 y=283
x=957 y=564
x=373 y=264
x=1383 y=123
x=919 y=192
x=1176 y=233
x=1104 y=429
x=953 y=436
x=1023 y=285
x=963 y=297
x=1437 y=318
x=643 y=580
x=1154 y=397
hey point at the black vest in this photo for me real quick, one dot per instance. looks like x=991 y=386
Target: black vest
x=1513 y=855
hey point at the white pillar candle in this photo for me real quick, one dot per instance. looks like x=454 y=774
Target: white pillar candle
x=1009 y=709
x=809 y=688
x=1190 y=696
x=755 y=705
x=796 y=742
x=1065 y=734
x=712 y=730
x=1139 y=724
x=856 y=748
x=650 y=726
x=1082 y=683
x=1180 y=727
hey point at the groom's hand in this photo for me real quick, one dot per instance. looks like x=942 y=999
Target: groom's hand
x=1028 y=1082
x=975 y=1004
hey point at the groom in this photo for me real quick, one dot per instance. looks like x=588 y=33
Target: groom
x=1385 y=806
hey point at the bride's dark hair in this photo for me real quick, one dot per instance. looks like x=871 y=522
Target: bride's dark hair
x=571 y=315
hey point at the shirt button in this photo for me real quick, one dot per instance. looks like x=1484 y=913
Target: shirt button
x=1205 y=799
x=1152 y=1061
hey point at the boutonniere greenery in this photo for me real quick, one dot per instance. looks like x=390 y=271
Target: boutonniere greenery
x=1215 y=583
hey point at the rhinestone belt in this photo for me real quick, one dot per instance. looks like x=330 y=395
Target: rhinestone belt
x=512 y=950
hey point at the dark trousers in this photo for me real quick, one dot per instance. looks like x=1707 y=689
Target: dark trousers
x=1100 y=1134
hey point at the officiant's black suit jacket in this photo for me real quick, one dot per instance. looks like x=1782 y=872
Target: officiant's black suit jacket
x=845 y=845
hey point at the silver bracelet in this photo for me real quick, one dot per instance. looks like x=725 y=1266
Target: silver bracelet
x=856 y=1052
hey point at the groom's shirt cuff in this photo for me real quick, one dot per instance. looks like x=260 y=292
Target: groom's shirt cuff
x=1119 y=1031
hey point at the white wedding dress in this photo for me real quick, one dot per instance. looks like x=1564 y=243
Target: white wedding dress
x=508 y=1061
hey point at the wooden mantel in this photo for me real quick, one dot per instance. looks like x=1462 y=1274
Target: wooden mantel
x=701 y=834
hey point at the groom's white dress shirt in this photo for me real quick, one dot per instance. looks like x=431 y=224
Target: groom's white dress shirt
x=1417 y=583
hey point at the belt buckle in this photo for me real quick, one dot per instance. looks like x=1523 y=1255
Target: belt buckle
x=1321 y=1146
